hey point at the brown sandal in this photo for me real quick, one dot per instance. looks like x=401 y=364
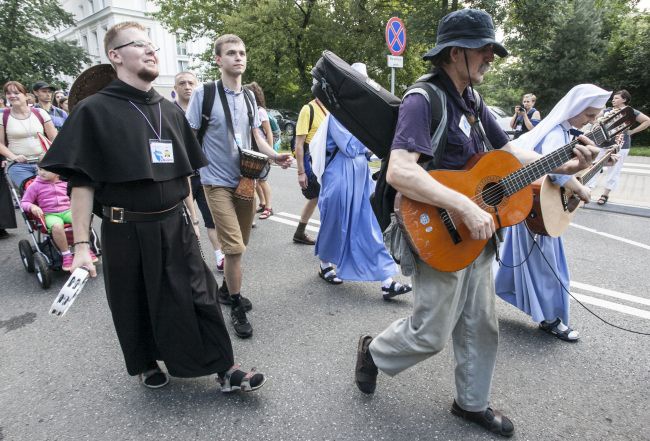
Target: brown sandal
x=603 y=199
x=491 y=419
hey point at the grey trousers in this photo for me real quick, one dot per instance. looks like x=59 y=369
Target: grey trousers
x=460 y=305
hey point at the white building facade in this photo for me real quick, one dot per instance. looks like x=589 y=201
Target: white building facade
x=94 y=17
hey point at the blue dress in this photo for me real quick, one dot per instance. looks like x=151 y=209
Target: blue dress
x=532 y=286
x=349 y=235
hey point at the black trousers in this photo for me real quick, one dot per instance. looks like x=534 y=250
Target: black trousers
x=163 y=298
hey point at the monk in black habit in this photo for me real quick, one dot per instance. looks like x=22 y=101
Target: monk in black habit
x=127 y=154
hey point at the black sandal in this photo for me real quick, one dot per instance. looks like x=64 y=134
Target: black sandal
x=329 y=275
x=491 y=419
x=552 y=328
x=603 y=199
x=391 y=292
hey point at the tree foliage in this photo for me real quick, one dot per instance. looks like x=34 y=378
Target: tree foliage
x=27 y=57
x=284 y=38
x=554 y=44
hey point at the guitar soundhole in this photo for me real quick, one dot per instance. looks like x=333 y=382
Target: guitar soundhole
x=493 y=193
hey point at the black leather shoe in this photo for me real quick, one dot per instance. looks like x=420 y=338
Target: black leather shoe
x=492 y=420
x=365 y=372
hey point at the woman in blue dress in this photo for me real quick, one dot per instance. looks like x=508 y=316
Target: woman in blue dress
x=350 y=244
x=532 y=285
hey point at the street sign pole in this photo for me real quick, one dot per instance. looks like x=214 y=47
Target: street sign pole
x=396 y=41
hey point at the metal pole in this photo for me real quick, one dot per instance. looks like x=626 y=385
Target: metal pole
x=392 y=80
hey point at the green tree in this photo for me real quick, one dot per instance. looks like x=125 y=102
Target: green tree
x=27 y=57
x=286 y=37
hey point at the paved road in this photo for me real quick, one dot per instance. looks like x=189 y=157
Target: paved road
x=64 y=379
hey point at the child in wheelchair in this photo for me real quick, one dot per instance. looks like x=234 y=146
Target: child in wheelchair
x=46 y=198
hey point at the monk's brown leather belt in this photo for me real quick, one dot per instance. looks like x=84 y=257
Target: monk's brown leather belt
x=120 y=215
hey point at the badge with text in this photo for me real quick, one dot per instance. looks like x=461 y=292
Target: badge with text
x=162 y=151
x=465 y=126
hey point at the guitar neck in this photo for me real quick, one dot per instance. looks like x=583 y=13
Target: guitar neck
x=596 y=168
x=543 y=166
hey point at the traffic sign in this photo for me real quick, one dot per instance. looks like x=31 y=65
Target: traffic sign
x=396 y=36
x=395 y=61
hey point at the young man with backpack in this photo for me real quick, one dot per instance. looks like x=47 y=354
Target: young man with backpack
x=43 y=93
x=309 y=119
x=232 y=123
x=459 y=304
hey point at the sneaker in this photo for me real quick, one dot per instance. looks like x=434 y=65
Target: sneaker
x=242 y=326
x=224 y=298
x=220 y=264
x=67 y=262
x=304 y=239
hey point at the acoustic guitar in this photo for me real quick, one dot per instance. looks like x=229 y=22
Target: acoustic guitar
x=498 y=183
x=554 y=206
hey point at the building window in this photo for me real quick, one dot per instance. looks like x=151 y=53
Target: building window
x=182 y=65
x=181 y=46
x=95 y=42
x=84 y=42
x=91 y=7
x=81 y=11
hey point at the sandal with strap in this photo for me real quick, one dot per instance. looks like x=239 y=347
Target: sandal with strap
x=603 y=199
x=329 y=275
x=252 y=380
x=553 y=329
x=267 y=213
x=154 y=378
x=491 y=419
x=391 y=291
x=260 y=208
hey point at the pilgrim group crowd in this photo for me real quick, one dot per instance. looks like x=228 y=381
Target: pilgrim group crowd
x=143 y=164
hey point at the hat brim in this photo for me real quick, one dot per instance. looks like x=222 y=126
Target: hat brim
x=91 y=81
x=470 y=43
x=45 y=87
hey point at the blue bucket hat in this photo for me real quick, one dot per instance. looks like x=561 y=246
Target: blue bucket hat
x=470 y=28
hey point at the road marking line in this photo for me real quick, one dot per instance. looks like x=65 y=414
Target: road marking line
x=611 y=305
x=610 y=293
x=611 y=236
x=636 y=164
x=292 y=223
x=636 y=171
x=294 y=216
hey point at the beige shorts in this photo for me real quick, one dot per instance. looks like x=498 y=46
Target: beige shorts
x=233 y=218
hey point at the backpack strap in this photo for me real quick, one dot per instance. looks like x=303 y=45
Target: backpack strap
x=248 y=98
x=5 y=118
x=38 y=116
x=311 y=116
x=209 y=94
x=438 y=130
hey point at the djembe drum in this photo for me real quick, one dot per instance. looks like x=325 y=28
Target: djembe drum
x=251 y=165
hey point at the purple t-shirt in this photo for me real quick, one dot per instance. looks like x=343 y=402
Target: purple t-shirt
x=414 y=123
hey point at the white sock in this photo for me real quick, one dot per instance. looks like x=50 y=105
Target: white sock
x=386 y=283
x=65 y=253
x=324 y=264
x=218 y=254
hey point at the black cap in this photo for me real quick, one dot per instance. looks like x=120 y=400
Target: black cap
x=42 y=85
x=470 y=28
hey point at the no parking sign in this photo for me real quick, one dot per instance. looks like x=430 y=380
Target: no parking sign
x=396 y=36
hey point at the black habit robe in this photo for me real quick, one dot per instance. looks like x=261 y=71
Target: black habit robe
x=162 y=295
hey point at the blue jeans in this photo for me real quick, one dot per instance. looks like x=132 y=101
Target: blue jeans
x=19 y=171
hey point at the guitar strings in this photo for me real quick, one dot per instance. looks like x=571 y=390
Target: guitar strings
x=536 y=244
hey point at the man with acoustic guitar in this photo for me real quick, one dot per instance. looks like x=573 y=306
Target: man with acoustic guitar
x=461 y=303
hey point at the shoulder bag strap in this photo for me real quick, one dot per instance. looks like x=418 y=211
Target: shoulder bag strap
x=438 y=130
x=479 y=125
